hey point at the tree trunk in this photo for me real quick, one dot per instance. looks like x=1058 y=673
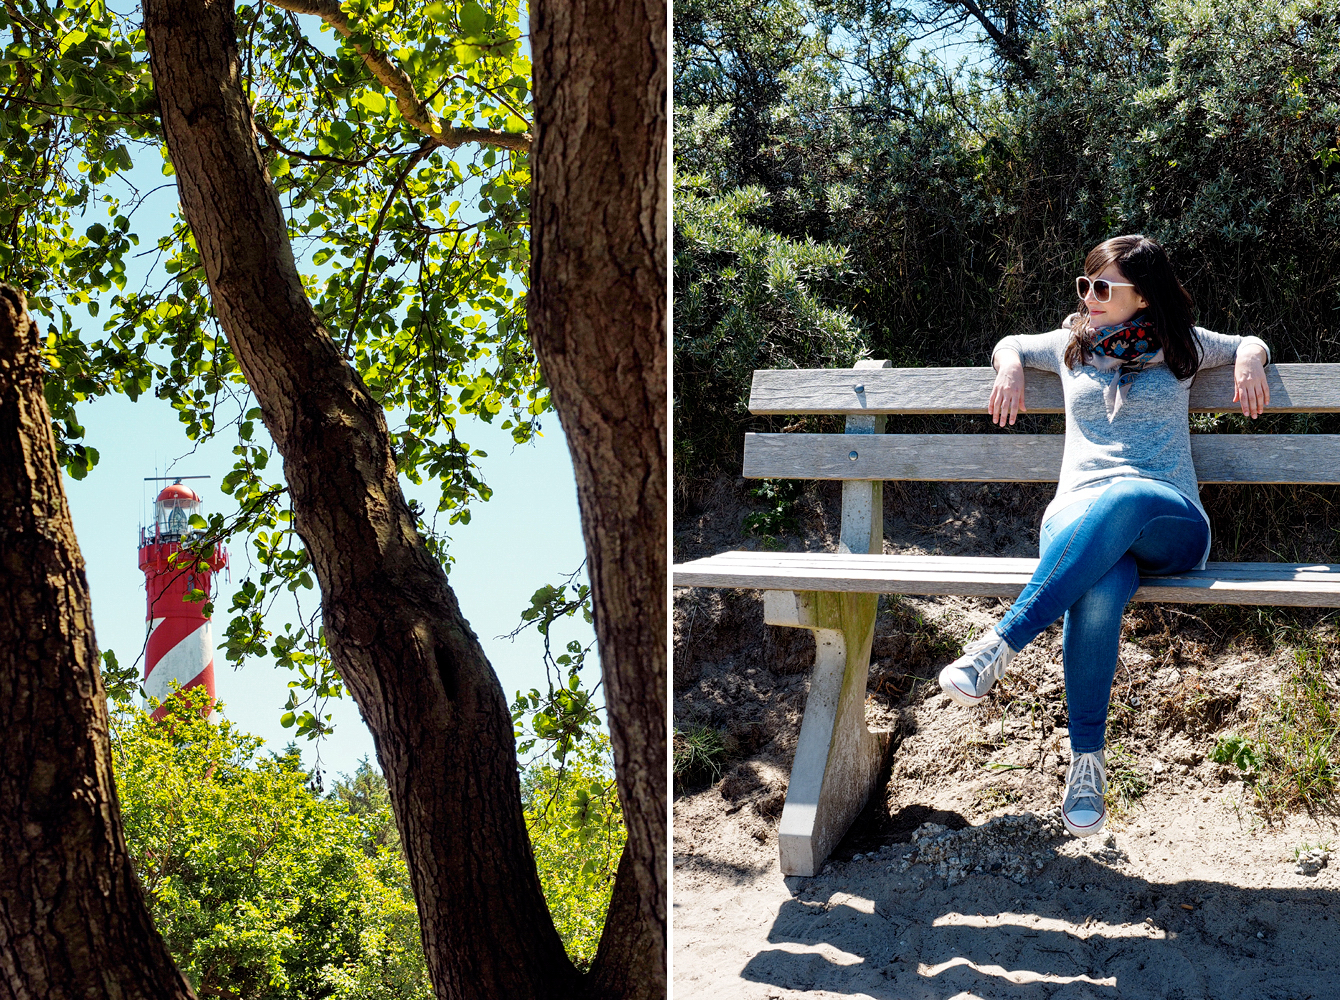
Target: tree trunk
x=436 y=710
x=597 y=318
x=73 y=919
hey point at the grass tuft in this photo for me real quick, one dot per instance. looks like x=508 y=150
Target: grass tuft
x=1125 y=785
x=700 y=755
x=1292 y=757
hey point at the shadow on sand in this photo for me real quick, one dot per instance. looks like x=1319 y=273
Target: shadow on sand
x=1080 y=930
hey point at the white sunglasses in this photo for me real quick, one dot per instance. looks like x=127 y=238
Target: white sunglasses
x=1102 y=288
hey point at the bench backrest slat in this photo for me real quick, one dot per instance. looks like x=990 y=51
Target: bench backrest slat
x=1023 y=458
x=1293 y=389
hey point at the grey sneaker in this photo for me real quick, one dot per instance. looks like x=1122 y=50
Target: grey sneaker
x=1084 y=808
x=968 y=679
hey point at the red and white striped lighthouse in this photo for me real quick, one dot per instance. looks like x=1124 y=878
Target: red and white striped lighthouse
x=181 y=645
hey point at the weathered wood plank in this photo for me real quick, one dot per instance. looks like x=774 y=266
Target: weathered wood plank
x=830 y=562
x=1280 y=584
x=1293 y=389
x=1024 y=458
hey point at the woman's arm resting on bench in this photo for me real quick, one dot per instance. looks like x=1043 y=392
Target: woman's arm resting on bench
x=1250 y=389
x=1007 y=395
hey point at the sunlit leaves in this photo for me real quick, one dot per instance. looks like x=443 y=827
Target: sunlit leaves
x=565 y=717
x=260 y=887
x=414 y=257
x=577 y=835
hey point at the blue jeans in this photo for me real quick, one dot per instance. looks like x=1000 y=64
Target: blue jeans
x=1092 y=555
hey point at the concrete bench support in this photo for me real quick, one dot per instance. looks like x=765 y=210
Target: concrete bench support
x=837 y=758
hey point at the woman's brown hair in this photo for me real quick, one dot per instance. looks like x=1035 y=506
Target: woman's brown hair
x=1144 y=264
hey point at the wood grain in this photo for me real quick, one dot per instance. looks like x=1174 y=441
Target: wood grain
x=1024 y=458
x=1293 y=389
x=1281 y=584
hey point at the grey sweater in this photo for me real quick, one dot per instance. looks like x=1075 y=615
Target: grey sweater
x=1150 y=436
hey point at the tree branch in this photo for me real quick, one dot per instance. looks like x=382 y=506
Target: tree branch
x=414 y=158
x=395 y=79
x=1008 y=46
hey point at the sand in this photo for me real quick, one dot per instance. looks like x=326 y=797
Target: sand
x=1196 y=895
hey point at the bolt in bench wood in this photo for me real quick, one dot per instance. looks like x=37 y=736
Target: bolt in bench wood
x=835 y=594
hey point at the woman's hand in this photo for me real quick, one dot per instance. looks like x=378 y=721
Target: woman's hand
x=1007 y=395
x=1250 y=390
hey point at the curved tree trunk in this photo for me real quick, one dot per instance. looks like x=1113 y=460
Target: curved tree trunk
x=438 y=715
x=73 y=919
x=597 y=312
x=436 y=710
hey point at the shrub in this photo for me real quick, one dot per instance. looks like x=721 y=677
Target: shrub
x=745 y=298
x=261 y=888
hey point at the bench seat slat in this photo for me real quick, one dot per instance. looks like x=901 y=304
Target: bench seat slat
x=1294 y=388
x=1024 y=458
x=1308 y=585
x=995 y=565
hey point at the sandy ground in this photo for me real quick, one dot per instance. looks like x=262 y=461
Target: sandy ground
x=1195 y=896
x=1196 y=899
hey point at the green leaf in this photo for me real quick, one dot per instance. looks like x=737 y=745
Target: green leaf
x=473 y=19
x=373 y=101
x=71 y=39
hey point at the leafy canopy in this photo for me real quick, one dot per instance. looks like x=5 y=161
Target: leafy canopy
x=260 y=887
x=414 y=255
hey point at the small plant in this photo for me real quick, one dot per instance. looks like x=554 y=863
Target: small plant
x=1304 y=847
x=700 y=754
x=1235 y=750
x=992 y=797
x=779 y=516
x=1125 y=785
x=1291 y=757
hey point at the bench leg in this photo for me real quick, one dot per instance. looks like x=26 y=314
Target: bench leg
x=837 y=758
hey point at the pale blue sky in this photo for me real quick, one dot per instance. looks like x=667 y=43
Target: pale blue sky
x=528 y=535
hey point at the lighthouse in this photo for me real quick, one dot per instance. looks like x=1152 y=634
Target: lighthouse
x=181 y=646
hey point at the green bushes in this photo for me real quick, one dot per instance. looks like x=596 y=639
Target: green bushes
x=745 y=298
x=260 y=888
x=955 y=206
x=577 y=834
x=264 y=889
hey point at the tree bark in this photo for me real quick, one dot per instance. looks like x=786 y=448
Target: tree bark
x=597 y=311
x=437 y=713
x=73 y=920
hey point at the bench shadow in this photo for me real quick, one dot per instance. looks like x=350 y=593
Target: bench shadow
x=1087 y=937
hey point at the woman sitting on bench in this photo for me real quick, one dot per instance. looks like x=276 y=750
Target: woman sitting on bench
x=1127 y=502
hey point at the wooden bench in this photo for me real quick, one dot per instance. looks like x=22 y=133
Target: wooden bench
x=835 y=594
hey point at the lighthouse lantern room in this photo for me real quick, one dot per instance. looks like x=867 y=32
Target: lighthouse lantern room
x=176 y=573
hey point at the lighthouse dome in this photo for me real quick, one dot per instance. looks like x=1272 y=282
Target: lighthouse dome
x=178 y=492
x=173 y=510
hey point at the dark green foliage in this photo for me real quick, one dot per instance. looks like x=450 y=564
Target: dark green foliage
x=779 y=514
x=965 y=198
x=745 y=298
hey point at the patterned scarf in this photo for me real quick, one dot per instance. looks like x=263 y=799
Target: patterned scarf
x=1132 y=347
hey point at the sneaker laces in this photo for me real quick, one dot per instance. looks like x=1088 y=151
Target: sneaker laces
x=988 y=657
x=1086 y=780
